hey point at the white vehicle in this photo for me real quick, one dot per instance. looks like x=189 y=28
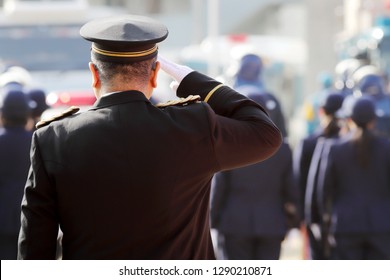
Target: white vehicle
x=43 y=37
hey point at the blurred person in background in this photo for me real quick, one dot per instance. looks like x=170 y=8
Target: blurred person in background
x=356 y=193
x=15 y=142
x=311 y=106
x=14 y=78
x=249 y=79
x=254 y=207
x=307 y=155
x=373 y=85
x=38 y=96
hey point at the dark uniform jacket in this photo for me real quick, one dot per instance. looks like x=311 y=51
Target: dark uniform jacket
x=360 y=197
x=306 y=163
x=249 y=201
x=14 y=163
x=128 y=180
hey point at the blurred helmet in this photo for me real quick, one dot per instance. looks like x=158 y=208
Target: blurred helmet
x=344 y=71
x=372 y=84
x=15 y=75
x=345 y=68
x=363 y=71
x=15 y=105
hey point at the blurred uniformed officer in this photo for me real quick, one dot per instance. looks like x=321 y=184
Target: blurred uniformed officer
x=254 y=206
x=356 y=189
x=373 y=85
x=307 y=157
x=14 y=163
x=38 y=96
x=249 y=80
x=130 y=180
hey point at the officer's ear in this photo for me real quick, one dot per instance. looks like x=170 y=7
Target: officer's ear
x=95 y=75
x=154 y=73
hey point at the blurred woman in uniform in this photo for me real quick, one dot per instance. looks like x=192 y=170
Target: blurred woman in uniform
x=357 y=189
x=307 y=156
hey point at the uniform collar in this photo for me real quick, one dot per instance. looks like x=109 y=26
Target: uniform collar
x=119 y=98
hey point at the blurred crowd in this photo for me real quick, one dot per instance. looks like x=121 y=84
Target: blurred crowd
x=21 y=108
x=333 y=186
x=342 y=165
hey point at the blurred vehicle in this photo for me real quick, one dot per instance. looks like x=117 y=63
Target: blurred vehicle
x=43 y=38
x=54 y=55
x=59 y=101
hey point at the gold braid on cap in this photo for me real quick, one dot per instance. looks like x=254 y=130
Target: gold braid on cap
x=125 y=54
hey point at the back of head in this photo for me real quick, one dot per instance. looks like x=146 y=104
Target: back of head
x=123 y=45
x=38 y=96
x=331 y=106
x=363 y=111
x=250 y=68
x=372 y=84
x=332 y=103
x=15 y=107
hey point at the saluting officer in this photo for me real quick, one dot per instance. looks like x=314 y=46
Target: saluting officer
x=130 y=180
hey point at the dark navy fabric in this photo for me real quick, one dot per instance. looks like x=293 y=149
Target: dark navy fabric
x=248 y=202
x=358 y=200
x=14 y=163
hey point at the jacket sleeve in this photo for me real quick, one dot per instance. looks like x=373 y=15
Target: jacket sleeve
x=39 y=222
x=241 y=131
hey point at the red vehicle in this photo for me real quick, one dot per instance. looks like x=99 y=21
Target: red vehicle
x=61 y=100
x=71 y=98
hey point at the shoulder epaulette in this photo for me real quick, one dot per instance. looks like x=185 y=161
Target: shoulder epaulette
x=68 y=112
x=180 y=102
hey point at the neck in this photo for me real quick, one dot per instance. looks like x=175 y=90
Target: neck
x=118 y=88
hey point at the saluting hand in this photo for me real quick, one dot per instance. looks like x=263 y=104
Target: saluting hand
x=176 y=71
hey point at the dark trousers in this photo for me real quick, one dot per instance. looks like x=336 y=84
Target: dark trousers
x=8 y=246
x=251 y=248
x=362 y=246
